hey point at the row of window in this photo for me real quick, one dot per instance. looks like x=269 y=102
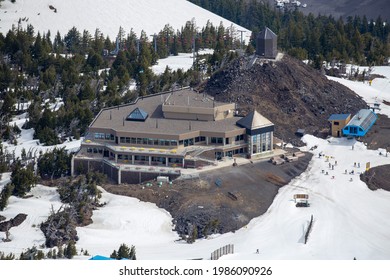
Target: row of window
x=148 y=141
x=153 y=159
x=260 y=143
x=104 y=136
x=164 y=142
x=136 y=157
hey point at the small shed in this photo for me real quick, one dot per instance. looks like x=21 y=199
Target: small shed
x=337 y=123
x=266 y=44
x=360 y=124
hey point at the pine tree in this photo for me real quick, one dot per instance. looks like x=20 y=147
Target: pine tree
x=23 y=179
x=70 y=250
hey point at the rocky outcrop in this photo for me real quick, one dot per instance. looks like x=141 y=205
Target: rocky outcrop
x=288 y=92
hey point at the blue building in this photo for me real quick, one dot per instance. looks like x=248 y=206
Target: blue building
x=360 y=124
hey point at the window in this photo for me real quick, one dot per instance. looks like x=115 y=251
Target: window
x=122 y=139
x=197 y=139
x=336 y=123
x=99 y=135
x=202 y=139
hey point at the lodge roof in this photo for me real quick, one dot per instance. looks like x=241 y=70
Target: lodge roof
x=254 y=121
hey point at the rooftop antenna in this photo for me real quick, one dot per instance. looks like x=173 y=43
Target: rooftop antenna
x=156 y=123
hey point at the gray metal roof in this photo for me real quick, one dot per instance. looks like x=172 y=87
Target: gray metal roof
x=364 y=119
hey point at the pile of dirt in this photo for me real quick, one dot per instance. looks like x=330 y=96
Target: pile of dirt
x=377 y=178
x=220 y=200
x=288 y=92
x=379 y=135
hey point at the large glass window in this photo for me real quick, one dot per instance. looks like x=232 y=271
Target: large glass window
x=99 y=135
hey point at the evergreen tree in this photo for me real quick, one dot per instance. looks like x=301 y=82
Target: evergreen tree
x=70 y=250
x=5 y=194
x=54 y=164
x=124 y=252
x=22 y=179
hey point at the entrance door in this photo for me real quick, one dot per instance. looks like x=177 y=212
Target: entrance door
x=254 y=149
x=338 y=133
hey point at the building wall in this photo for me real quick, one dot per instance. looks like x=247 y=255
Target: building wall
x=260 y=143
x=266 y=47
x=197 y=113
x=337 y=127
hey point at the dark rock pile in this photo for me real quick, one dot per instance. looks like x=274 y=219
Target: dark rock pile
x=288 y=92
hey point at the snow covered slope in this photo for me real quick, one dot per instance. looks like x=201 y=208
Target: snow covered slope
x=107 y=15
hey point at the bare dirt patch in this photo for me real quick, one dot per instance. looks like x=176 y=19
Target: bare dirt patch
x=377 y=178
x=201 y=206
x=379 y=134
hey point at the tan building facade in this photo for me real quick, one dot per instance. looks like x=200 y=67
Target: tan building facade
x=337 y=123
x=163 y=133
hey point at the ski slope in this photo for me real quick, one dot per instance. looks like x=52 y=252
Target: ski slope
x=107 y=15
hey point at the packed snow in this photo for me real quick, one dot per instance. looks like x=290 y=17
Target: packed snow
x=182 y=61
x=148 y=15
x=350 y=221
x=376 y=92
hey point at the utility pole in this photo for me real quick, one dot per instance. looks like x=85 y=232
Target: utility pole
x=155 y=42
x=242 y=34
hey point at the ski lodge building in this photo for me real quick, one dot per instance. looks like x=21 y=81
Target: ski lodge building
x=160 y=134
x=360 y=124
